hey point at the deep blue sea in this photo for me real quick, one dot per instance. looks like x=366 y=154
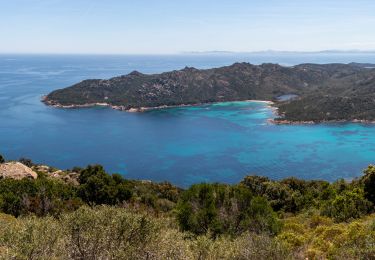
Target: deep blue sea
x=220 y=142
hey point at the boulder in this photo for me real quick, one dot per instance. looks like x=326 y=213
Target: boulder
x=17 y=171
x=41 y=168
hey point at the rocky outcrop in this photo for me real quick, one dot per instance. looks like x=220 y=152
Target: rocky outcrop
x=17 y=171
x=67 y=176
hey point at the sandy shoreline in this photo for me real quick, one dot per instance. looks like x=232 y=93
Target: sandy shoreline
x=140 y=109
x=270 y=105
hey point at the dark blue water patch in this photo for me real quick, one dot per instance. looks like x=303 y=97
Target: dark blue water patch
x=218 y=142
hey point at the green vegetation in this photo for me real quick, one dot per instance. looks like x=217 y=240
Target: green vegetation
x=322 y=108
x=41 y=197
x=97 y=187
x=108 y=217
x=224 y=209
x=115 y=233
x=326 y=92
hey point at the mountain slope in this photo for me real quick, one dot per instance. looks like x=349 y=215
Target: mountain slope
x=349 y=98
x=346 y=84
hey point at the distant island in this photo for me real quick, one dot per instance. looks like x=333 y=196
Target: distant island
x=320 y=92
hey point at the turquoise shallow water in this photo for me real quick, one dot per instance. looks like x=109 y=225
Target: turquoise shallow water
x=218 y=142
x=232 y=139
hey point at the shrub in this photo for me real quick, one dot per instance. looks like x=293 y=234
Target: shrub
x=114 y=233
x=31 y=238
x=41 y=196
x=348 y=205
x=254 y=246
x=26 y=162
x=368 y=181
x=256 y=184
x=288 y=195
x=223 y=209
x=108 y=233
x=97 y=187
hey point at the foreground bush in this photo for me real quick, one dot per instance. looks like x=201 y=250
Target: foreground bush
x=256 y=219
x=313 y=236
x=115 y=233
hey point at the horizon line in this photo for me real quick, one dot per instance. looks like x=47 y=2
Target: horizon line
x=195 y=52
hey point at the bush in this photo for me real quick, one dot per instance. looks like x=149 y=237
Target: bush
x=108 y=233
x=31 y=238
x=26 y=162
x=97 y=187
x=223 y=209
x=368 y=181
x=115 y=233
x=101 y=233
x=348 y=205
x=280 y=197
x=256 y=184
x=288 y=195
x=41 y=196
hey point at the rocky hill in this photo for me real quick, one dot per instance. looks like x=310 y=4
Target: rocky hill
x=348 y=98
x=324 y=90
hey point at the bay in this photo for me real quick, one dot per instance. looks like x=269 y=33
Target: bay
x=218 y=142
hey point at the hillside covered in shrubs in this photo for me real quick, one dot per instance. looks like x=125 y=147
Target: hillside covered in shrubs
x=323 y=92
x=86 y=213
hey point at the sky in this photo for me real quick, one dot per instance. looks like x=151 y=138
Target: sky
x=175 y=26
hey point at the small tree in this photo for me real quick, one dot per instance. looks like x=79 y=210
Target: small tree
x=98 y=187
x=2 y=160
x=26 y=162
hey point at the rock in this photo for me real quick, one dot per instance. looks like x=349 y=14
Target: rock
x=41 y=168
x=57 y=173
x=17 y=171
x=67 y=177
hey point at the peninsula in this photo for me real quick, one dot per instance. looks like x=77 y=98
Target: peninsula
x=321 y=92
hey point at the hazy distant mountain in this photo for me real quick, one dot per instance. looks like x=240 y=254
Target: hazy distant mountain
x=218 y=52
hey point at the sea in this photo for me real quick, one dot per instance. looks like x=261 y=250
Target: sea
x=221 y=142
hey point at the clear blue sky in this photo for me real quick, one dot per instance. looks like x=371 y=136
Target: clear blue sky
x=172 y=26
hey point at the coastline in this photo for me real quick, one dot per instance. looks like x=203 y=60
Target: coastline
x=288 y=122
x=270 y=105
x=141 y=109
